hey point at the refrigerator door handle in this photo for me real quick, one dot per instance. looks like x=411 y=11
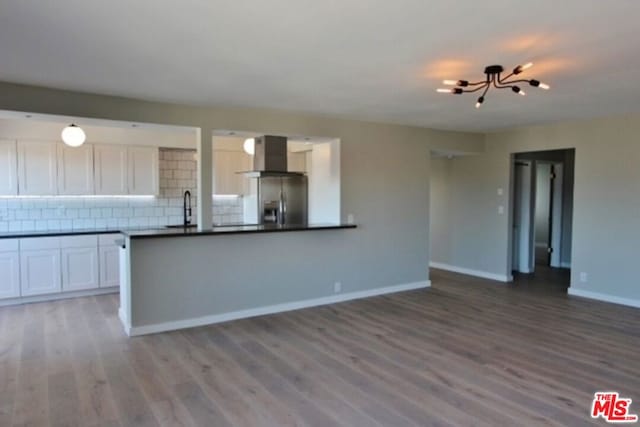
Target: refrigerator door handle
x=283 y=207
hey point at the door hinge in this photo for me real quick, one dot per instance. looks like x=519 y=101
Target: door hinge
x=550 y=250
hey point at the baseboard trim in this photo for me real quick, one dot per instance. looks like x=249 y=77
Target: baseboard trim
x=52 y=297
x=470 y=272
x=272 y=309
x=604 y=297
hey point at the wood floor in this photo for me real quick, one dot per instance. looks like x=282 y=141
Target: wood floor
x=465 y=352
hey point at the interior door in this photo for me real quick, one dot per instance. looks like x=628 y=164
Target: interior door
x=557 y=197
x=523 y=214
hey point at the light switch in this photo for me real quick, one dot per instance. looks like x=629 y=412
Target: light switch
x=350 y=219
x=500 y=210
x=500 y=191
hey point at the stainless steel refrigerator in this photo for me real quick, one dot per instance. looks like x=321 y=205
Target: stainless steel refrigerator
x=282 y=199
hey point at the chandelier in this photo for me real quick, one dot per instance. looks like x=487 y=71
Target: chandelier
x=493 y=77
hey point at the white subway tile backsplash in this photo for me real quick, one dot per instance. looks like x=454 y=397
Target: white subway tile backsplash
x=177 y=174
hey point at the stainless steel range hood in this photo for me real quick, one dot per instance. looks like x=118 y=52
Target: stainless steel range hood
x=270 y=158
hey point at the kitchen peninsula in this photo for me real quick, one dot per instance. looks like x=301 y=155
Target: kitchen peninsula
x=179 y=278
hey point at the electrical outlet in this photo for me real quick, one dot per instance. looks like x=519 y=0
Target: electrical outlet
x=500 y=192
x=584 y=277
x=350 y=219
x=501 y=210
x=337 y=287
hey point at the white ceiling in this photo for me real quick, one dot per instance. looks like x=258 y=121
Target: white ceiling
x=378 y=61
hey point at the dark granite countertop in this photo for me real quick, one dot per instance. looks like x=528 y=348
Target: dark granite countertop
x=174 y=232
x=54 y=233
x=236 y=229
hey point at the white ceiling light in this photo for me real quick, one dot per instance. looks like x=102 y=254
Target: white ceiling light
x=249 y=146
x=73 y=136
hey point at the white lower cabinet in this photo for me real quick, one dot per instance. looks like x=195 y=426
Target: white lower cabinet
x=9 y=274
x=109 y=266
x=40 y=271
x=79 y=262
x=35 y=266
x=79 y=268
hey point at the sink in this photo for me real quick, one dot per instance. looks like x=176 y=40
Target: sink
x=181 y=226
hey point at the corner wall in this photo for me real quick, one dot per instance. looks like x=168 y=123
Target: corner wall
x=606 y=220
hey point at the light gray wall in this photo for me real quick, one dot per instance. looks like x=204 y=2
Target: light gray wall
x=440 y=233
x=384 y=173
x=606 y=210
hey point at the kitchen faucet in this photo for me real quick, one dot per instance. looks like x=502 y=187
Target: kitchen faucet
x=186 y=208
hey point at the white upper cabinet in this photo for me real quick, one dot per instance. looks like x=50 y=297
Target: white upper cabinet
x=143 y=170
x=8 y=174
x=37 y=173
x=226 y=165
x=110 y=171
x=75 y=170
x=296 y=162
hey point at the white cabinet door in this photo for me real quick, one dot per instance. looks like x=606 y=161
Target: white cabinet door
x=37 y=168
x=9 y=275
x=109 y=266
x=79 y=268
x=226 y=165
x=221 y=160
x=296 y=162
x=110 y=172
x=75 y=170
x=143 y=170
x=242 y=163
x=40 y=271
x=8 y=164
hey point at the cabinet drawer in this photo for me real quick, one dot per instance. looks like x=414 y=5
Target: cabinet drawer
x=9 y=245
x=83 y=241
x=40 y=243
x=108 y=239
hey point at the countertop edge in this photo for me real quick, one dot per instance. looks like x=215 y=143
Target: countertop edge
x=177 y=233
x=28 y=234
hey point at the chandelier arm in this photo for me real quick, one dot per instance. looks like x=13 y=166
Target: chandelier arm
x=514 y=81
x=486 y=90
x=505 y=78
x=495 y=80
x=477 y=83
x=484 y=86
x=503 y=86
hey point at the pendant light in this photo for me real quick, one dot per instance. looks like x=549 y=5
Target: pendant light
x=73 y=136
x=249 y=146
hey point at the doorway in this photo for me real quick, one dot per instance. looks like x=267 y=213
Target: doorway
x=542 y=217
